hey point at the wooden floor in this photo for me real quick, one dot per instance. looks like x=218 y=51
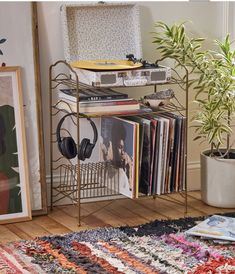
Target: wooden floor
x=108 y=213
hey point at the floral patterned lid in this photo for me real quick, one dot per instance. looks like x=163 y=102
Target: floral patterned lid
x=101 y=31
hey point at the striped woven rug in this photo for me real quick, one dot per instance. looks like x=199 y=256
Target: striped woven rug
x=157 y=247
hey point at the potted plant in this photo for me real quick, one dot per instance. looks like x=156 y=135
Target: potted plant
x=210 y=74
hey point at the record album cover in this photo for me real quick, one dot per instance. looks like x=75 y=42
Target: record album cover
x=118 y=145
x=216 y=227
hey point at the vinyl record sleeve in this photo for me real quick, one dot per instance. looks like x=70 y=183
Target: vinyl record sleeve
x=119 y=145
x=140 y=149
x=215 y=227
x=91 y=94
x=72 y=107
x=169 y=153
x=144 y=154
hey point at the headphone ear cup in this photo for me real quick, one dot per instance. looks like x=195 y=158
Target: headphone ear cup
x=68 y=147
x=82 y=149
x=88 y=150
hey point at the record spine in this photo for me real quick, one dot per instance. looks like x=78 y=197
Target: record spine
x=69 y=94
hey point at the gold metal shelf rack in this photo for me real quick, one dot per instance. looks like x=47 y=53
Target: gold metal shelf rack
x=71 y=179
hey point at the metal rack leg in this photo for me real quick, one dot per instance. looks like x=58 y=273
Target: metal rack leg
x=51 y=136
x=79 y=195
x=186 y=140
x=186 y=185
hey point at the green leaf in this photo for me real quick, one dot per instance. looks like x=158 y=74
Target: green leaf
x=198 y=39
x=2 y=40
x=233 y=71
x=210 y=78
x=197 y=138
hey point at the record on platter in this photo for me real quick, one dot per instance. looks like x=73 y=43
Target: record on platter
x=105 y=64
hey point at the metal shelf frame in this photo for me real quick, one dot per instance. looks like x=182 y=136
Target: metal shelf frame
x=78 y=181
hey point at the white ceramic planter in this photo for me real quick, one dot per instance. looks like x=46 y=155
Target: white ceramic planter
x=218 y=181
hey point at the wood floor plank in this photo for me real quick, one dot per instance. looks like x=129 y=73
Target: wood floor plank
x=177 y=199
x=94 y=214
x=139 y=210
x=51 y=225
x=106 y=219
x=109 y=217
x=162 y=207
x=112 y=213
x=124 y=214
x=197 y=195
x=195 y=202
x=6 y=235
x=86 y=208
x=32 y=229
x=195 y=206
x=72 y=210
x=95 y=221
x=96 y=206
x=18 y=232
x=70 y=222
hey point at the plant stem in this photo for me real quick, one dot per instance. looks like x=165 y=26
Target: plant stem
x=228 y=135
x=211 y=149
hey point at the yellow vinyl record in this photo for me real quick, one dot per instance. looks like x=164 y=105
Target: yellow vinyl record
x=105 y=64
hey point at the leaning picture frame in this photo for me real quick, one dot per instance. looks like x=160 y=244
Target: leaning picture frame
x=14 y=174
x=21 y=48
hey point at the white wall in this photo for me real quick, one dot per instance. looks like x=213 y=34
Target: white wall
x=231 y=18
x=206 y=21
x=16 y=27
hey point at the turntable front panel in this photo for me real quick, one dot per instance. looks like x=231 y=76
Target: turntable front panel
x=137 y=77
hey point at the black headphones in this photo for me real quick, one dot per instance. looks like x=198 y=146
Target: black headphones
x=67 y=145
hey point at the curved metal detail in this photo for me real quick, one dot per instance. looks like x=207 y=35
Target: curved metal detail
x=72 y=180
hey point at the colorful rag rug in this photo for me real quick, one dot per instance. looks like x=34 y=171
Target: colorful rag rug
x=157 y=247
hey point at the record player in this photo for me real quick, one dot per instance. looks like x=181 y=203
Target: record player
x=97 y=39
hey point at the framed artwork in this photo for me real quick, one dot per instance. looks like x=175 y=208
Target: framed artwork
x=14 y=175
x=23 y=32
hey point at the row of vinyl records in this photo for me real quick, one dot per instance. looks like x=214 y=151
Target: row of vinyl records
x=148 y=152
x=99 y=101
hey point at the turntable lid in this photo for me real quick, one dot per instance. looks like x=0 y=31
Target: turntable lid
x=101 y=31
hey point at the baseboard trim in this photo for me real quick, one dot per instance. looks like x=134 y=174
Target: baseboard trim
x=194 y=165
x=194 y=179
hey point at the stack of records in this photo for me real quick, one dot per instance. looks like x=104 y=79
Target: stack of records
x=99 y=101
x=149 y=152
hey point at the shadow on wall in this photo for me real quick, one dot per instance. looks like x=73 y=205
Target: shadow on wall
x=51 y=50
x=147 y=26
